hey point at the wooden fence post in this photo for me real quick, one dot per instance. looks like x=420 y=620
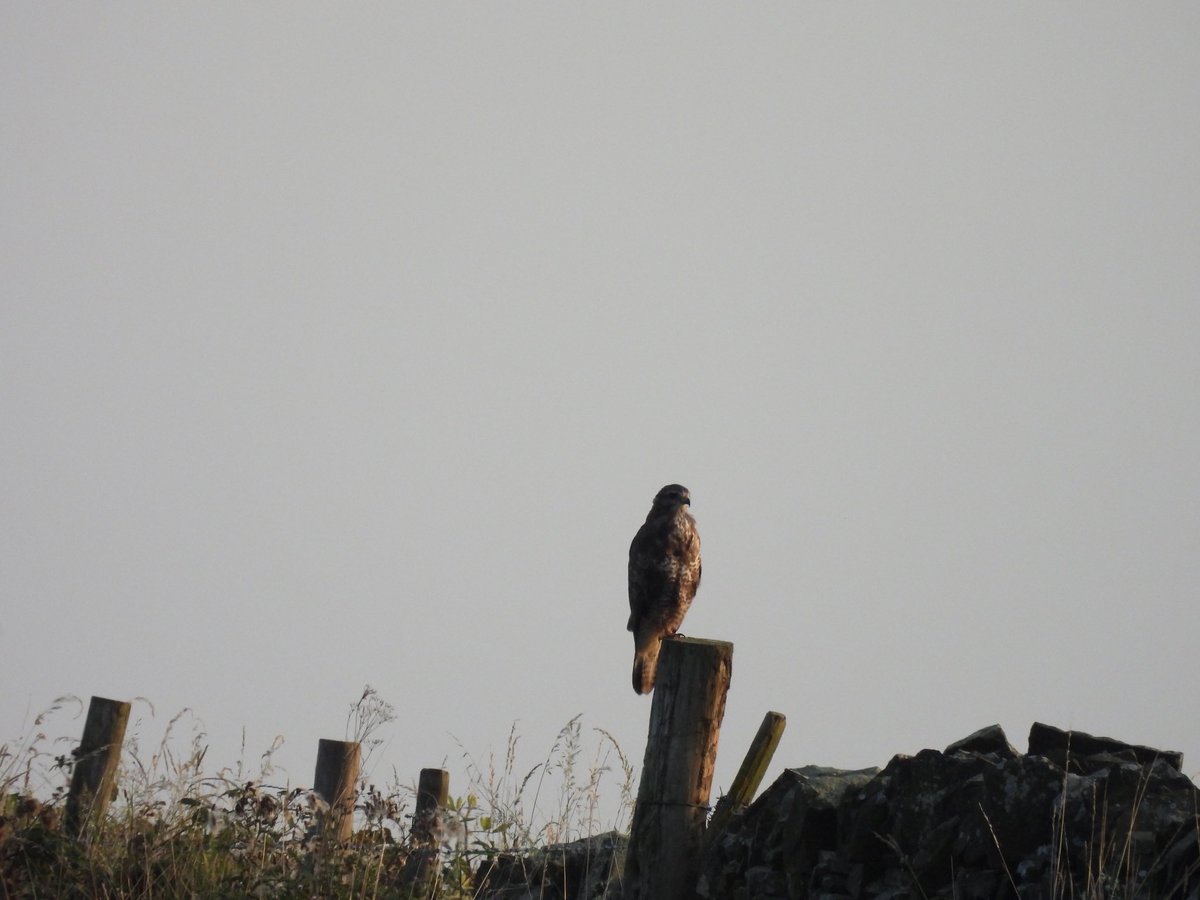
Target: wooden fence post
x=337 y=774
x=94 y=778
x=667 y=832
x=421 y=870
x=749 y=776
x=433 y=792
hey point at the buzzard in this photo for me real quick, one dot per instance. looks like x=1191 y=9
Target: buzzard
x=664 y=572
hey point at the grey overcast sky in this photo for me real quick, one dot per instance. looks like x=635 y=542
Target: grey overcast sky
x=348 y=344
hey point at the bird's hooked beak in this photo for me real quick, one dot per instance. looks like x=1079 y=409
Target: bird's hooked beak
x=687 y=500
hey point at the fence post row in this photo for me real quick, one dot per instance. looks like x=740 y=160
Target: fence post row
x=667 y=834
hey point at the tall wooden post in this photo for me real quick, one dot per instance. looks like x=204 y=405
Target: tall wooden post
x=667 y=832
x=94 y=778
x=337 y=774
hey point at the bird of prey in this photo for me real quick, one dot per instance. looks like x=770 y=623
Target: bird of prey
x=664 y=572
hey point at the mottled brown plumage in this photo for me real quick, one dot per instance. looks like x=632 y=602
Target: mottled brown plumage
x=664 y=572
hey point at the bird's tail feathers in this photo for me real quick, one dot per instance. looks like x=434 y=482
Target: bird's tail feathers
x=645 y=666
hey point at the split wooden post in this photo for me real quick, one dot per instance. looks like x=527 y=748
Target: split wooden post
x=667 y=833
x=94 y=778
x=337 y=774
x=750 y=775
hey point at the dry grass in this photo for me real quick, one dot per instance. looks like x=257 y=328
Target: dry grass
x=177 y=830
x=1122 y=862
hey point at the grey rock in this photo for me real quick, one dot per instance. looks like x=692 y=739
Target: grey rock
x=976 y=822
x=1067 y=749
x=978 y=884
x=586 y=869
x=986 y=740
x=787 y=828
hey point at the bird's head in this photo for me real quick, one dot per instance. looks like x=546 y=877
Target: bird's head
x=672 y=497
